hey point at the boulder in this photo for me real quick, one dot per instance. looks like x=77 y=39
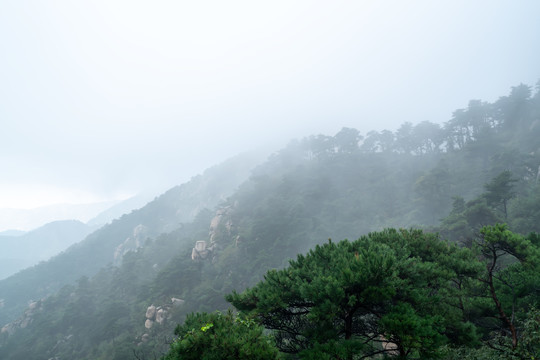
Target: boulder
x=177 y=302
x=151 y=312
x=161 y=314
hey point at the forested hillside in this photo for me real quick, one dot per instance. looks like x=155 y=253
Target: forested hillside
x=478 y=169
x=22 y=251
x=108 y=244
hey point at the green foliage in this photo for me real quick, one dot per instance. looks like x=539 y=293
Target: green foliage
x=500 y=190
x=219 y=336
x=433 y=191
x=524 y=211
x=499 y=347
x=412 y=290
x=510 y=281
x=391 y=285
x=467 y=218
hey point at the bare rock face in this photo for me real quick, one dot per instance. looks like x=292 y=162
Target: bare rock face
x=221 y=222
x=135 y=241
x=177 y=302
x=9 y=329
x=200 y=251
x=158 y=315
x=221 y=229
x=151 y=312
x=25 y=320
x=161 y=316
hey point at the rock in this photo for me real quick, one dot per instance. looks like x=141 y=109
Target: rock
x=145 y=337
x=200 y=245
x=9 y=328
x=199 y=251
x=223 y=217
x=151 y=312
x=177 y=302
x=161 y=315
x=135 y=241
x=148 y=324
x=25 y=322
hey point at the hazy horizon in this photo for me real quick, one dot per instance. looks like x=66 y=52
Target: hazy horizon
x=103 y=100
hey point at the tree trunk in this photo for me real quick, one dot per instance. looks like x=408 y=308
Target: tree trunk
x=502 y=314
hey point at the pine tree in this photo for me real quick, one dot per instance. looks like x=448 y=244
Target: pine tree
x=391 y=292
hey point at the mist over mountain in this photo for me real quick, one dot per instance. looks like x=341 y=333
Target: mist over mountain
x=119 y=209
x=269 y=180
x=30 y=219
x=108 y=244
x=222 y=231
x=12 y=233
x=28 y=249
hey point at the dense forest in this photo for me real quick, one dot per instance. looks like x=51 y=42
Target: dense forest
x=442 y=259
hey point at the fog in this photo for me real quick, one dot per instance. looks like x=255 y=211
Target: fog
x=103 y=100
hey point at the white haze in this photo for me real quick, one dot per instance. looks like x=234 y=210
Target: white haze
x=100 y=100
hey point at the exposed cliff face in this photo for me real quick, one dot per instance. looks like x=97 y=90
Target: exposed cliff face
x=136 y=240
x=221 y=224
x=25 y=320
x=222 y=228
x=164 y=214
x=158 y=315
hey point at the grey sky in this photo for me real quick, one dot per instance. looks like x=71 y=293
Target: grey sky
x=102 y=99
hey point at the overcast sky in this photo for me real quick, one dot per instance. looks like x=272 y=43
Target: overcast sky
x=103 y=99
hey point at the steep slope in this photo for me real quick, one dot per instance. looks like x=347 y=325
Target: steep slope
x=338 y=186
x=36 y=217
x=19 y=252
x=108 y=244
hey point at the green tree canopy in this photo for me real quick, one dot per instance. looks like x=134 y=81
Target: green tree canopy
x=218 y=336
x=500 y=190
x=391 y=292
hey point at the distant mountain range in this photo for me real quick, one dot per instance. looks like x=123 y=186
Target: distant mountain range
x=108 y=244
x=12 y=233
x=21 y=251
x=30 y=219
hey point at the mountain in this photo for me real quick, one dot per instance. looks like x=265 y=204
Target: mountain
x=119 y=209
x=221 y=232
x=21 y=251
x=108 y=244
x=29 y=219
x=12 y=233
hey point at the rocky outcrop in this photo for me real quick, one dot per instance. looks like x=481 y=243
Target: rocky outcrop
x=201 y=251
x=177 y=302
x=25 y=320
x=145 y=337
x=133 y=242
x=151 y=312
x=160 y=314
x=221 y=222
x=221 y=229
